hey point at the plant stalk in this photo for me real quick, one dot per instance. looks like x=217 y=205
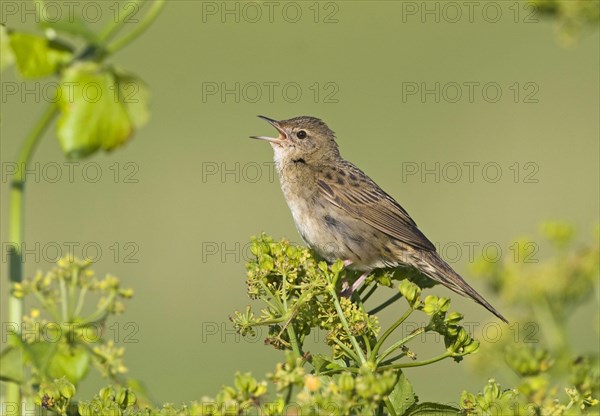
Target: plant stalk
x=390 y=407
x=16 y=230
x=340 y=312
x=116 y=24
x=396 y=345
x=16 y=225
x=388 y=332
x=149 y=18
x=416 y=363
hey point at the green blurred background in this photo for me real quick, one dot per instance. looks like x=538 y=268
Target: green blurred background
x=180 y=210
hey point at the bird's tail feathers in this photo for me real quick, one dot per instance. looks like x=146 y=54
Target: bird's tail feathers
x=432 y=265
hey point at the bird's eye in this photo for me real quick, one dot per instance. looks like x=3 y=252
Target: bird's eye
x=301 y=134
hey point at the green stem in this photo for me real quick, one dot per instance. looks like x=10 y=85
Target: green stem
x=365 y=338
x=274 y=321
x=16 y=230
x=416 y=363
x=344 y=322
x=80 y=300
x=390 y=406
x=50 y=308
x=289 y=326
x=347 y=350
x=367 y=344
x=15 y=219
x=288 y=396
x=149 y=17
x=339 y=370
x=294 y=340
x=394 y=346
x=72 y=294
x=63 y=300
x=284 y=296
x=101 y=312
x=270 y=304
x=17 y=189
x=116 y=24
x=388 y=332
x=272 y=296
x=394 y=358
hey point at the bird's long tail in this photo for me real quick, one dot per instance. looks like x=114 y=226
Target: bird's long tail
x=432 y=265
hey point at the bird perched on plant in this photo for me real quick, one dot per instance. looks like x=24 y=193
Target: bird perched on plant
x=341 y=213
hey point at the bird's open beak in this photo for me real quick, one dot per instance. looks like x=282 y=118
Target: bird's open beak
x=274 y=123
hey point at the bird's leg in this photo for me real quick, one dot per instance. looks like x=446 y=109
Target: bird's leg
x=359 y=281
x=345 y=285
x=347 y=290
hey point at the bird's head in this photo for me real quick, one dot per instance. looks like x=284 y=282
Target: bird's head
x=302 y=138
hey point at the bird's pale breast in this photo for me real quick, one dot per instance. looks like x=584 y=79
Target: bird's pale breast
x=327 y=229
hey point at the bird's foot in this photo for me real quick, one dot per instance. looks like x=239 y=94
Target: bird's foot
x=347 y=263
x=348 y=290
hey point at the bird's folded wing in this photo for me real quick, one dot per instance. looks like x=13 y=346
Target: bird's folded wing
x=378 y=209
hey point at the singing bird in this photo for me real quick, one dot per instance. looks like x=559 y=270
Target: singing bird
x=341 y=213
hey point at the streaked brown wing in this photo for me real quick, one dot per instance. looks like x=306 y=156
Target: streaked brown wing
x=372 y=205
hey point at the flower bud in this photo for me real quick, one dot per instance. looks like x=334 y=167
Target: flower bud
x=346 y=382
x=66 y=389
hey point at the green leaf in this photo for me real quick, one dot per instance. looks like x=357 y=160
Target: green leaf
x=37 y=56
x=11 y=364
x=65 y=387
x=403 y=395
x=134 y=93
x=92 y=115
x=322 y=363
x=432 y=409
x=72 y=362
x=7 y=57
x=71 y=25
x=40 y=354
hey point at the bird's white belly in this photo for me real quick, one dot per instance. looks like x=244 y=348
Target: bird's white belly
x=327 y=229
x=306 y=221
